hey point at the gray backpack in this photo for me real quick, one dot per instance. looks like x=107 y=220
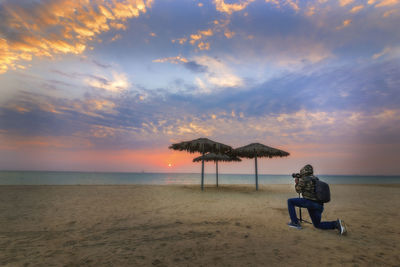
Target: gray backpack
x=322 y=191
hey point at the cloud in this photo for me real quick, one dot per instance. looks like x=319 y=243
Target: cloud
x=391 y=52
x=383 y=3
x=223 y=7
x=298 y=127
x=292 y=52
x=180 y=40
x=324 y=105
x=218 y=75
x=356 y=9
x=116 y=37
x=103 y=105
x=293 y=4
x=201 y=39
x=101 y=65
x=345 y=2
x=190 y=65
x=197 y=39
x=174 y=60
x=49 y=28
x=345 y=24
x=229 y=34
x=117 y=84
x=195 y=67
x=310 y=11
x=389 y=13
x=13 y=142
x=212 y=74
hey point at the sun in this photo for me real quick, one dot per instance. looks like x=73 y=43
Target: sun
x=169 y=164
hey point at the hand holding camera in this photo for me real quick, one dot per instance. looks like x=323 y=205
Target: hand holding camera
x=296 y=177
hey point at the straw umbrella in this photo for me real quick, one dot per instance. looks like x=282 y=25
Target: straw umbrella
x=216 y=157
x=255 y=150
x=202 y=145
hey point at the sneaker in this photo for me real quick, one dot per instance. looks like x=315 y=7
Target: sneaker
x=294 y=225
x=341 y=226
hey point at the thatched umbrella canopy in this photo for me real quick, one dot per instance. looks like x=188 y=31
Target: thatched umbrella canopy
x=255 y=150
x=202 y=145
x=216 y=157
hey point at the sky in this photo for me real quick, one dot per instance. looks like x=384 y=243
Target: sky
x=109 y=85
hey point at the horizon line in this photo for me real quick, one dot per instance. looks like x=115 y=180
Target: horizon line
x=208 y=173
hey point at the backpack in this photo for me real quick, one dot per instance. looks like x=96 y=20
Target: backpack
x=322 y=191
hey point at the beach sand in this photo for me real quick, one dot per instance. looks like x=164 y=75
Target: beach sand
x=145 y=225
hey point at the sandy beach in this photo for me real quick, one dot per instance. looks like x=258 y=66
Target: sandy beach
x=181 y=226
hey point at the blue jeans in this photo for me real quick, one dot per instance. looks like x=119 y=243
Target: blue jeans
x=314 y=209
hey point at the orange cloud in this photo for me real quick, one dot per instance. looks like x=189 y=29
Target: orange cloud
x=174 y=60
x=197 y=39
x=345 y=2
x=203 y=46
x=293 y=4
x=101 y=105
x=356 y=9
x=388 y=52
x=310 y=11
x=60 y=142
x=18 y=108
x=390 y=12
x=180 y=40
x=230 y=8
x=387 y=3
x=345 y=24
x=116 y=37
x=60 y=27
x=229 y=34
x=200 y=38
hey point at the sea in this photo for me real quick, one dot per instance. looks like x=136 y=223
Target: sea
x=143 y=178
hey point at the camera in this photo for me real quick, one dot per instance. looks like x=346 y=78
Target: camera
x=296 y=175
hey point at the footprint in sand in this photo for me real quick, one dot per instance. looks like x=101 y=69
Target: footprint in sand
x=156 y=262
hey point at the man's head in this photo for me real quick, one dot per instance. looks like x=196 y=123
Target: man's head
x=307 y=170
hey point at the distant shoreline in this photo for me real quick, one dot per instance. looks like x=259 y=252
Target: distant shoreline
x=222 y=187
x=102 y=178
x=190 y=173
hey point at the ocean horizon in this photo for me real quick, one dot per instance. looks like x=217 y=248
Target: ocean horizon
x=159 y=178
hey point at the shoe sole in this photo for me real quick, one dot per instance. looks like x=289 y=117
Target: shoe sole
x=295 y=227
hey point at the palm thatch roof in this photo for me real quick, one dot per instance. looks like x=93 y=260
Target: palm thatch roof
x=259 y=150
x=202 y=145
x=216 y=157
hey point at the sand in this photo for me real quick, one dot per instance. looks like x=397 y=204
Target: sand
x=148 y=225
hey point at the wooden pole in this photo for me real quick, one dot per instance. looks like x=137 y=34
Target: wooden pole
x=256 y=172
x=216 y=163
x=202 y=173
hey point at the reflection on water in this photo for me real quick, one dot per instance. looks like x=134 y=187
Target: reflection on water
x=173 y=179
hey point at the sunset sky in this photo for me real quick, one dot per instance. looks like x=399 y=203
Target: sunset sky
x=109 y=85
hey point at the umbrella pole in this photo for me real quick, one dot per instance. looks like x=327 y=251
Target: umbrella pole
x=216 y=163
x=256 y=172
x=202 y=173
